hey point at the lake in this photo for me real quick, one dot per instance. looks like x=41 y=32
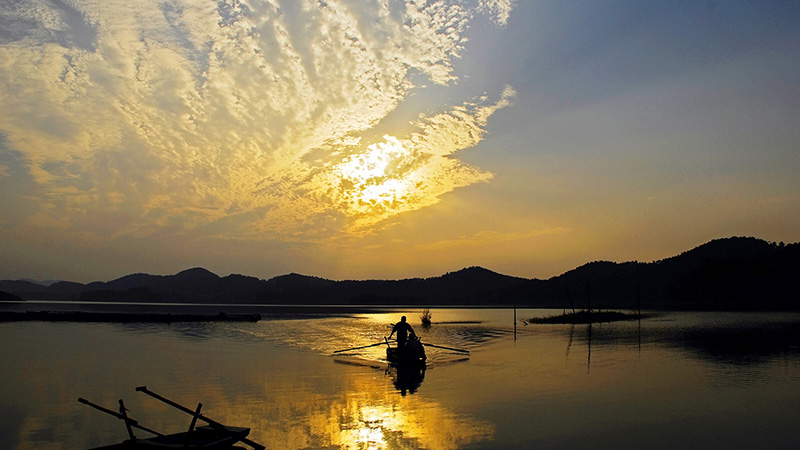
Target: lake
x=671 y=380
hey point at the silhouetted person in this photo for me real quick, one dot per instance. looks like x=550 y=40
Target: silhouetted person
x=403 y=329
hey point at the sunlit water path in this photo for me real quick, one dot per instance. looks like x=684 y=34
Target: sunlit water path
x=676 y=380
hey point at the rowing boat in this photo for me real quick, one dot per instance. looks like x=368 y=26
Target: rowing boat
x=413 y=353
x=204 y=437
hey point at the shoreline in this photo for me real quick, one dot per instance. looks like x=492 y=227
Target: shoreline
x=121 y=317
x=586 y=317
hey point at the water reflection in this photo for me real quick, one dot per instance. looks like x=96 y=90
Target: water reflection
x=403 y=422
x=407 y=378
x=364 y=414
x=675 y=381
x=291 y=398
x=741 y=343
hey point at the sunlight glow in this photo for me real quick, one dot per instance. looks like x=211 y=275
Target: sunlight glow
x=234 y=117
x=376 y=178
x=393 y=422
x=368 y=430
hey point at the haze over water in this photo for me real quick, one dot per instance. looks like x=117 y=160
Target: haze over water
x=677 y=380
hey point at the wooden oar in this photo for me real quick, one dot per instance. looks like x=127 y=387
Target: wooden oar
x=358 y=348
x=446 y=348
x=213 y=423
x=128 y=420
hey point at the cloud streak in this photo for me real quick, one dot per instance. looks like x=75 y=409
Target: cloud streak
x=137 y=118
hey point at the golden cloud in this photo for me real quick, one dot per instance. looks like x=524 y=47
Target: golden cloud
x=184 y=114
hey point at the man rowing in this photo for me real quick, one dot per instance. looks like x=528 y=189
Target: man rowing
x=403 y=329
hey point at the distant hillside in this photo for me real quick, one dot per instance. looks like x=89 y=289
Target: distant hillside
x=28 y=290
x=190 y=286
x=9 y=297
x=470 y=286
x=724 y=274
x=736 y=273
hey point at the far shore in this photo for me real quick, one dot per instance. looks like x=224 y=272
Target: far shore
x=585 y=317
x=174 y=312
x=122 y=317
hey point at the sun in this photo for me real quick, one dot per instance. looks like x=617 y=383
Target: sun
x=379 y=179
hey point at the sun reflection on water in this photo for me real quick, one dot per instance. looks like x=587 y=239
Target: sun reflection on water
x=362 y=410
x=307 y=402
x=404 y=422
x=367 y=430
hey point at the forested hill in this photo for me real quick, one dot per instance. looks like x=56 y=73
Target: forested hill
x=736 y=273
x=725 y=274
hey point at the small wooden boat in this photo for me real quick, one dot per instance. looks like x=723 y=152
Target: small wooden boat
x=204 y=437
x=214 y=436
x=413 y=353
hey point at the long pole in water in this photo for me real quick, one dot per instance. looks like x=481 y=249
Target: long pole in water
x=446 y=348
x=515 y=322
x=358 y=348
x=132 y=422
x=213 y=423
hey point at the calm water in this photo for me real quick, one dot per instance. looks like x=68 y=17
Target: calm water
x=677 y=380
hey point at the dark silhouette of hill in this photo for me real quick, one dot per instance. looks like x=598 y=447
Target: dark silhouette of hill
x=7 y=296
x=470 y=286
x=737 y=273
x=28 y=290
x=296 y=282
x=42 y=282
x=196 y=285
x=724 y=274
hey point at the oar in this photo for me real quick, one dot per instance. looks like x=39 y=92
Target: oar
x=358 y=348
x=446 y=348
x=213 y=423
x=128 y=420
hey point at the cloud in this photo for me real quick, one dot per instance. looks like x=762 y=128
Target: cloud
x=174 y=115
x=498 y=10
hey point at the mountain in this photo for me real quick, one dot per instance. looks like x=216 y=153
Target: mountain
x=28 y=290
x=195 y=285
x=724 y=274
x=42 y=282
x=469 y=286
x=738 y=273
x=8 y=297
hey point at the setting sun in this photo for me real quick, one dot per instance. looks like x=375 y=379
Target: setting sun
x=377 y=179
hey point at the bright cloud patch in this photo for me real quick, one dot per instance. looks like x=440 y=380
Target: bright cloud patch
x=175 y=115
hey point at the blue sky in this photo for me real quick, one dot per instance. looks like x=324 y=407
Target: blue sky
x=388 y=139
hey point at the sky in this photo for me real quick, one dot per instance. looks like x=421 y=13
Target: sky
x=387 y=139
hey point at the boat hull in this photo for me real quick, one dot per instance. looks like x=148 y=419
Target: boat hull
x=412 y=354
x=204 y=437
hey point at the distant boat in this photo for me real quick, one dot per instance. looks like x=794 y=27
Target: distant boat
x=214 y=436
x=412 y=354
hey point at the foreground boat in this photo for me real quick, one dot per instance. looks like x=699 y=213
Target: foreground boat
x=213 y=436
x=204 y=437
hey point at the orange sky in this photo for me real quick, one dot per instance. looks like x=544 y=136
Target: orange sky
x=361 y=139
